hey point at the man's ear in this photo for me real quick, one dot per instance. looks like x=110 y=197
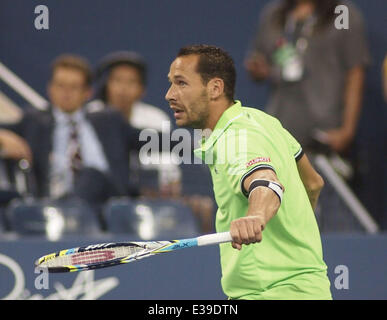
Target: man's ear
x=215 y=88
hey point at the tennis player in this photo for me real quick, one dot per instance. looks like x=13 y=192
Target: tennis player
x=266 y=189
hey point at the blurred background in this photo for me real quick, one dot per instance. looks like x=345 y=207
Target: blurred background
x=352 y=220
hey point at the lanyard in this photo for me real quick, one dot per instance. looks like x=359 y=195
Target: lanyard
x=300 y=42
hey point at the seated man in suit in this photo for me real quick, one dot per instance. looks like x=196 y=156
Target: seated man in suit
x=73 y=153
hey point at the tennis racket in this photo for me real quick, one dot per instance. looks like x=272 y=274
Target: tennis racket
x=110 y=254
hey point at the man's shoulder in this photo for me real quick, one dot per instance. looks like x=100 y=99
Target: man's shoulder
x=255 y=116
x=107 y=120
x=32 y=115
x=97 y=109
x=106 y=113
x=257 y=125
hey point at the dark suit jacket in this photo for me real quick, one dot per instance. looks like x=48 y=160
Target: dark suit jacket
x=116 y=137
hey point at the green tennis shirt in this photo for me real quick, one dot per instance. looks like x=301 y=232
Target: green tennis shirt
x=288 y=262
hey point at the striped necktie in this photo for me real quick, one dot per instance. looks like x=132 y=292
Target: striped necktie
x=74 y=148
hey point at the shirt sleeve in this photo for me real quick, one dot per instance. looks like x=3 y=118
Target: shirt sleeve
x=245 y=152
x=294 y=145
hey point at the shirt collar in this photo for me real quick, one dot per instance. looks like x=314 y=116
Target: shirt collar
x=65 y=118
x=225 y=120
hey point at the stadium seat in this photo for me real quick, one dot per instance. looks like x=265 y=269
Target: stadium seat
x=53 y=219
x=150 y=219
x=164 y=219
x=119 y=215
x=148 y=178
x=196 y=179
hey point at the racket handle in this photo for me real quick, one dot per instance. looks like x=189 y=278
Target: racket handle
x=214 y=238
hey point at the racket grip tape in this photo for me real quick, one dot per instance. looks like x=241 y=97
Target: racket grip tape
x=214 y=238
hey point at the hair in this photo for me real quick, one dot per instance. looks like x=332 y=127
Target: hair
x=115 y=59
x=138 y=66
x=213 y=62
x=75 y=62
x=324 y=11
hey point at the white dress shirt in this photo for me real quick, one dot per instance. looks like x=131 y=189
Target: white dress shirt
x=92 y=153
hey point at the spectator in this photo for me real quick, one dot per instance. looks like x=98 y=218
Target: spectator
x=122 y=80
x=73 y=153
x=122 y=76
x=316 y=71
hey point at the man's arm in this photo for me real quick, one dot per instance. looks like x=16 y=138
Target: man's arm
x=257 y=63
x=263 y=205
x=13 y=146
x=312 y=181
x=257 y=67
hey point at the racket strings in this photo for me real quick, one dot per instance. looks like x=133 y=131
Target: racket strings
x=98 y=256
x=93 y=256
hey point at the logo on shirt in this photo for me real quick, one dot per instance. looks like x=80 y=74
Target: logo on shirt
x=257 y=160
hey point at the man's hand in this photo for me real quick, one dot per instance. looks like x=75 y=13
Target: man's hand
x=14 y=147
x=263 y=205
x=257 y=67
x=246 y=230
x=339 y=139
